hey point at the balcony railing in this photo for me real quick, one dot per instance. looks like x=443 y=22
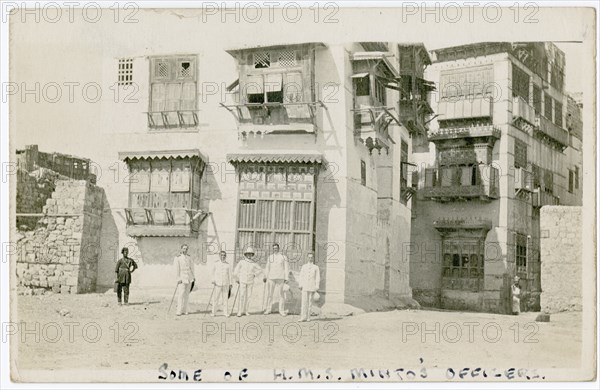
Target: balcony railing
x=172 y=119
x=547 y=129
x=265 y=118
x=542 y=198
x=461 y=183
x=143 y=221
x=523 y=112
x=465 y=132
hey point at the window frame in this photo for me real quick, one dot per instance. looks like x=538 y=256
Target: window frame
x=520 y=153
x=454 y=250
x=521 y=253
x=184 y=114
x=520 y=83
x=255 y=180
x=403 y=165
x=571 y=181
x=536 y=99
x=548 y=106
x=558 y=113
x=125 y=72
x=153 y=211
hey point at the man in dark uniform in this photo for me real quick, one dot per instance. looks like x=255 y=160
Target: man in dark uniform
x=125 y=267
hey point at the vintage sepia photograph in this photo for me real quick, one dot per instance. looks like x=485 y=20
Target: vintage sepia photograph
x=290 y=192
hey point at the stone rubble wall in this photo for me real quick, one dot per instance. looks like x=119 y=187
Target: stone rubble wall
x=561 y=258
x=33 y=190
x=62 y=252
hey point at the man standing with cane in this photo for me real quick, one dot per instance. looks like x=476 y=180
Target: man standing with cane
x=221 y=282
x=185 y=277
x=276 y=275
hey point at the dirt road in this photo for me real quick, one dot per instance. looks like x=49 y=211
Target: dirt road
x=98 y=335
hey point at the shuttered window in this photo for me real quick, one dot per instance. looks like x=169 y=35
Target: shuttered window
x=163 y=191
x=277 y=206
x=537 y=99
x=520 y=154
x=173 y=87
x=463 y=259
x=558 y=113
x=520 y=83
x=547 y=106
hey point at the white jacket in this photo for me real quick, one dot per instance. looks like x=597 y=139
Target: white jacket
x=277 y=267
x=310 y=277
x=185 y=268
x=221 y=274
x=245 y=271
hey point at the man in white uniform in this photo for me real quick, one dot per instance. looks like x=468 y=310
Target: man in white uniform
x=245 y=272
x=516 y=296
x=309 y=281
x=276 y=274
x=221 y=280
x=185 y=276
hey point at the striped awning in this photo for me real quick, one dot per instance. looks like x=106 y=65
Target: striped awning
x=159 y=231
x=158 y=154
x=264 y=158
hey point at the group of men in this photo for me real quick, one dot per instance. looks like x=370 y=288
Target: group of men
x=275 y=276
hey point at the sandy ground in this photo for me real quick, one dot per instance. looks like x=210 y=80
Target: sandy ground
x=99 y=335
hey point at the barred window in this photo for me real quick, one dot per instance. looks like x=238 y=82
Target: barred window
x=521 y=253
x=463 y=259
x=125 y=71
x=576 y=178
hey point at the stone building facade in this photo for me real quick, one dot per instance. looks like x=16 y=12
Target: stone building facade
x=258 y=139
x=561 y=252
x=59 y=247
x=502 y=147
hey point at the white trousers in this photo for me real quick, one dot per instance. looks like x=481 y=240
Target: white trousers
x=307 y=299
x=220 y=298
x=183 y=297
x=272 y=286
x=245 y=294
